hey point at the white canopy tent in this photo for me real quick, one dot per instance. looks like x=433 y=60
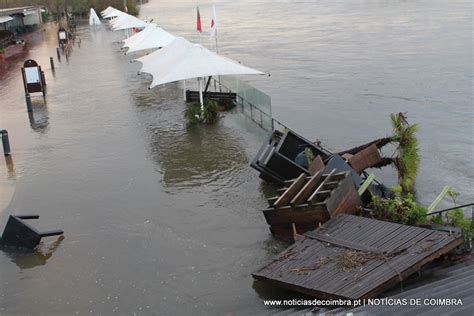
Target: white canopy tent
x=136 y=37
x=181 y=60
x=126 y=21
x=5 y=19
x=151 y=37
x=107 y=10
x=93 y=18
x=112 y=13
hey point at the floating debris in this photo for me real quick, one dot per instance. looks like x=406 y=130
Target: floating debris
x=309 y=201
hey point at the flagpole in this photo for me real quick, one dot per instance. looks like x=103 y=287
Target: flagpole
x=214 y=33
x=199 y=29
x=217 y=52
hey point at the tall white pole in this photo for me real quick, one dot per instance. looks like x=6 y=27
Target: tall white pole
x=217 y=52
x=184 y=90
x=201 y=100
x=217 y=47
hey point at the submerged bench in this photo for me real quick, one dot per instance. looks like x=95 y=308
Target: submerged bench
x=19 y=234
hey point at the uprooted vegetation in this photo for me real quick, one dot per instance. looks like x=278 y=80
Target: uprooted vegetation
x=405 y=210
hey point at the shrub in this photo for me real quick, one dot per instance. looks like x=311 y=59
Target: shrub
x=402 y=209
x=209 y=115
x=456 y=218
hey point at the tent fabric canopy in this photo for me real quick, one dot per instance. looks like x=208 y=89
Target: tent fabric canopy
x=151 y=37
x=126 y=21
x=93 y=18
x=130 y=41
x=112 y=13
x=107 y=10
x=4 y=19
x=183 y=60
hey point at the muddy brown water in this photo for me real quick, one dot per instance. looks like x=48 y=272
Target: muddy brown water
x=163 y=218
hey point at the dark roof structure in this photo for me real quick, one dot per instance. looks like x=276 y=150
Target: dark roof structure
x=455 y=282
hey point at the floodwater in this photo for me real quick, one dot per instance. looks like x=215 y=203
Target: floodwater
x=163 y=218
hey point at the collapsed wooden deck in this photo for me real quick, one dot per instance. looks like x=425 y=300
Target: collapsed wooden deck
x=353 y=257
x=309 y=201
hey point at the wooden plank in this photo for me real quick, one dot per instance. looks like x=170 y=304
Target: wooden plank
x=288 y=195
x=295 y=252
x=272 y=200
x=343 y=243
x=330 y=185
x=346 y=156
x=349 y=204
x=338 y=192
x=316 y=165
x=324 y=194
x=287 y=216
x=307 y=190
x=336 y=177
x=365 y=159
x=281 y=190
x=313 y=197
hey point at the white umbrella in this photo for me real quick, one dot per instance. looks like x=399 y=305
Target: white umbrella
x=93 y=18
x=183 y=60
x=151 y=37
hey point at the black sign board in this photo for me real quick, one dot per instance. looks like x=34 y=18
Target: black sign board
x=33 y=77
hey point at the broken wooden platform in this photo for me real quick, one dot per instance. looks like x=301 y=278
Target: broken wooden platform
x=352 y=257
x=309 y=201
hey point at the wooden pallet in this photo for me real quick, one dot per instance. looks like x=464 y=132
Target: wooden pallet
x=307 y=202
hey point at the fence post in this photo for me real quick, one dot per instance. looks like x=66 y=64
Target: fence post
x=28 y=102
x=5 y=142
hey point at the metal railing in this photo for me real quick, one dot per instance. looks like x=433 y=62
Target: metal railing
x=253 y=111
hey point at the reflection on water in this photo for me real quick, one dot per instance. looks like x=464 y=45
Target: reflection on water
x=10 y=167
x=39 y=118
x=27 y=259
x=196 y=155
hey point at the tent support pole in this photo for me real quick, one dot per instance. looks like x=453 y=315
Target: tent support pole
x=201 y=100
x=184 y=90
x=207 y=84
